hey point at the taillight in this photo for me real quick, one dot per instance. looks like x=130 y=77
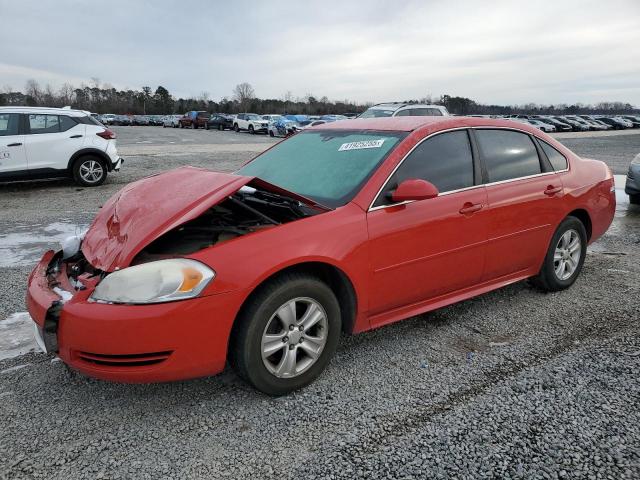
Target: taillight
x=107 y=134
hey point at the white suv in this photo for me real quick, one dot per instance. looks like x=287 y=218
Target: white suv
x=55 y=142
x=250 y=121
x=397 y=109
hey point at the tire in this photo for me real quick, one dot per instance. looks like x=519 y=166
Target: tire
x=271 y=134
x=181 y=125
x=193 y=126
x=89 y=171
x=634 y=199
x=549 y=280
x=259 y=318
x=206 y=126
x=221 y=127
x=236 y=128
x=251 y=130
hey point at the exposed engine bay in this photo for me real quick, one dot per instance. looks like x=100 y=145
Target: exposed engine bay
x=246 y=211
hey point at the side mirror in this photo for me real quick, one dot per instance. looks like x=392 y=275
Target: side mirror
x=414 y=189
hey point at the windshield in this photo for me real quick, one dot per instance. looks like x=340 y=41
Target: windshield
x=377 y=112
x=327 y=166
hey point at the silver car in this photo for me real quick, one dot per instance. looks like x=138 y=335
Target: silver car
x=632 y=187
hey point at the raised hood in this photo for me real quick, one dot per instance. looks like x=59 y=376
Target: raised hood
x=146 y=209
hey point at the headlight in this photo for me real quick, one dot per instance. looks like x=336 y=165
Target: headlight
x=155 y=282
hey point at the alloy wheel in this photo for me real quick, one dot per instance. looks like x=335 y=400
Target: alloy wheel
x=91 y=171
x=294 y=337
x=566 y=257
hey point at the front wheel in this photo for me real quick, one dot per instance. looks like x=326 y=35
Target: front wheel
x=565 y=256
x=271 y=133
x=221 y=127
x=286 y=334
x=251 y=130
x=236 y=128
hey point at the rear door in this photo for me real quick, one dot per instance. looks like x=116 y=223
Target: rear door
x=524 y=201
x=12 y=152
x=427 y=248
x=51 y=140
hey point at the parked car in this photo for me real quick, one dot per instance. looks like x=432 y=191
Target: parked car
x=616 y=122
x=635 y=121
x=182 y=271
x=545 y=127
x=577 y=126
x=271 y=118
x=632 y=186
x=283 y=127
x=140 y=120
x=172 y=121
x=121 y=120
x=219 y=121
x=398 y=109
x=560 y=126
x=108 y=119
x=333 y=118
x=301 y=120
x=54 y=142
x=251 y=122
x=592 y=119
x=194 y=119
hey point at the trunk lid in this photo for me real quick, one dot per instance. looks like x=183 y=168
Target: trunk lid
x=148 y=208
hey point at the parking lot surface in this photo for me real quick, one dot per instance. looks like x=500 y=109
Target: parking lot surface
x=512 y=384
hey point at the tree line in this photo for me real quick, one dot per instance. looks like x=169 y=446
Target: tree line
x=103 y=98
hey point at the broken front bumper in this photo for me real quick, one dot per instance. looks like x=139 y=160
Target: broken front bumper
x=129 y=343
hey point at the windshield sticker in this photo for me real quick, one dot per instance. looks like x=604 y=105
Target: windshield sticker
x=361 y=145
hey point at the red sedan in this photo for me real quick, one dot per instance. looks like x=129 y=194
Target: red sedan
x=341 y=228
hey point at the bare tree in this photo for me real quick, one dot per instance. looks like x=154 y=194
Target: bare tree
x=243 y=93
x=32 y=89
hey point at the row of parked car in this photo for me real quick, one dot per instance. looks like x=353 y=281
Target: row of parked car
x=282 y=125
x=575 y=123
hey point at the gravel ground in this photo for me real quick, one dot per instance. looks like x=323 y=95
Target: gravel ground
x=512 y=384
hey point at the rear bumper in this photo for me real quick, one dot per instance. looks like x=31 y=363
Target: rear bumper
x=131 y=343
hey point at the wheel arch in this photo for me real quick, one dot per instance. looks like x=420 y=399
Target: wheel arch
x=335 y=278
x=89 y=151
x=584 y=217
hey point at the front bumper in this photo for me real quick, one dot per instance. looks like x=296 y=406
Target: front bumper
x=130 y=343
x=632 y=185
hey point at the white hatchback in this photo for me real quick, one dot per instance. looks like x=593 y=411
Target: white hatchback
x=55 y=142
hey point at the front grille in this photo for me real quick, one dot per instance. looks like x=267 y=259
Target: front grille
x=131 y=360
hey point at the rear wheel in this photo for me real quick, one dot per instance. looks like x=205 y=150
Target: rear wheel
x=286 y=334
x=89 y=171
x=220 y=127
x=565 y=257
x=236 y=128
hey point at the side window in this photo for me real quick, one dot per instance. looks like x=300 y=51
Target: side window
x=425 y=112
x=508 y=154
x=404 y=113
x=558 y=161
x=66 y=123
x=44 y=124
x=444 y=160
x=9 y=124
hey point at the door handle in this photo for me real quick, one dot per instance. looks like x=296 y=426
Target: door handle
x=75 y=136
x=14 y=145
x=551 y=190
x=469 y=207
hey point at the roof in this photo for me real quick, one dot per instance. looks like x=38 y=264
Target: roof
x=434 y=123
x=59 y=111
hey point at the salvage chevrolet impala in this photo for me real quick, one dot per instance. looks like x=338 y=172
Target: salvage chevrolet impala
x=344 y=227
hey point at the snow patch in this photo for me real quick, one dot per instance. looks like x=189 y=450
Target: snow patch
x=27 y=243
x=16 y=336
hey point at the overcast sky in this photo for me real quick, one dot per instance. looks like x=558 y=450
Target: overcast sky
x=503 y=52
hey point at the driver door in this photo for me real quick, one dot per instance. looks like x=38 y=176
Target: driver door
x=424 y=249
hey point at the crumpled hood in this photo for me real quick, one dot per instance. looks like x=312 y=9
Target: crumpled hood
x=146 y=209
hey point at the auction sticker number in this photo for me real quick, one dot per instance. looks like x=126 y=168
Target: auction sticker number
x=361 y=145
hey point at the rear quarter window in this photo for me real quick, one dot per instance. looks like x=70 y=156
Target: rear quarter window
x=558 y=160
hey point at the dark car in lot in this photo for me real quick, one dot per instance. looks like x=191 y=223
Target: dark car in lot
x=194 y=119
x=560 y=126
x=616 y=123
x=219 y=121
